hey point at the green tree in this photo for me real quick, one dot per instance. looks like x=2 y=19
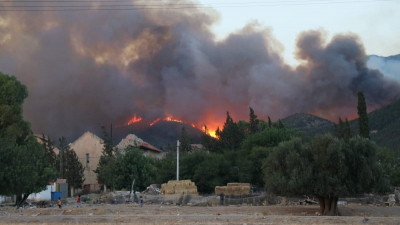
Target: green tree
x=343 y=130
x=244 y=128
x=49 y=148
x=269 y=122
x=250 y=165
x=24 y=168
x=253 y=122
x=329 y=168
x=133 y=165
x=269 y=138
x=231 y=136
x=105 y=168
x=73 y=169
x=214 y=171
x=190 y=163
x=255 y=149
x=390 y=163
x=12 y=96
x=362 y=116
x=280 y=125
x=184 y=142
x=166 y=168
x=208 y=142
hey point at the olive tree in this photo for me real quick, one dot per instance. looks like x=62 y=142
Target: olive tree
x=327 y=168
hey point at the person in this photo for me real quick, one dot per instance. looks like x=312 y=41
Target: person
x=59 y=203
x=141 y=201
x=78 y=201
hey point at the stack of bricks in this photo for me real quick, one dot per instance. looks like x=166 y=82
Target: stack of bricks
x=233 y=189
x=179 y=187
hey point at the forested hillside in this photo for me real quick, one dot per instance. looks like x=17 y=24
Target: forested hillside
x=384 y=125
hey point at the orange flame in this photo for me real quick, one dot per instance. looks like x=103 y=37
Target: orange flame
x=169 y=118
x=174 y=120
x=210 y=132
x=135 y=119
x=155 y=121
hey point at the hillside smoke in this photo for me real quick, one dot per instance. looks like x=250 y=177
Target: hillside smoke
x=389 y=66
x=86 y=69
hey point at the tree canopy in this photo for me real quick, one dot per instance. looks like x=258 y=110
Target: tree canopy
x=133 y=165
x=73 y=169
x=24 y=168
x=362 y=115
x=104 y=170
x=328 y=168
x=12 y=96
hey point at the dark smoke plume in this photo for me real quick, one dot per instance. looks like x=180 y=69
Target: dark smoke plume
x=86 y=69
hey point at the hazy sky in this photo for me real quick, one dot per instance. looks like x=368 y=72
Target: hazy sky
x=376 y=22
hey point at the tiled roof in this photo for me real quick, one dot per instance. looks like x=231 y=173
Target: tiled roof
x=148 y=146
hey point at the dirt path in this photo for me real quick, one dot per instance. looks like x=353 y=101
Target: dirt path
x=162 y=214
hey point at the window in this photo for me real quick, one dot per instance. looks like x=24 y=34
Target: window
x=87 y=157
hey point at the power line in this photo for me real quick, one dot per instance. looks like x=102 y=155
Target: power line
x=199 y=4
x=172 y=6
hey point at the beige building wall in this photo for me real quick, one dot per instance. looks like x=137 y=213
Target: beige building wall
x=92 y=145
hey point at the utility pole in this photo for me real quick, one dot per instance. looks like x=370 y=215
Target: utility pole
x=177 y=160
x=61 y=161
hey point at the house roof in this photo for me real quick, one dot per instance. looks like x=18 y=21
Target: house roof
x=196 y=146
x=145 y=145
x=88 y=134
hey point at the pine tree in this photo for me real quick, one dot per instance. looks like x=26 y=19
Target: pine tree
x=362 y=116
x=269 y=122
x=280 y=125
x=73 y=169
x=49 y=147
x=105 y=168
x=253 y=122
x=348 y=133
x=184 y=142
x=343 y=130
x=339 y=130
x=231 y=136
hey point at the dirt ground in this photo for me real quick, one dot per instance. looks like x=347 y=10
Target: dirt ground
x=164 y=214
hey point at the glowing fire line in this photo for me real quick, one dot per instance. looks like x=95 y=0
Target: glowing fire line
x=135 y=119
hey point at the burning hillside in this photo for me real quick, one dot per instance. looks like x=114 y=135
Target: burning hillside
x=160 y=62
x=136 y=119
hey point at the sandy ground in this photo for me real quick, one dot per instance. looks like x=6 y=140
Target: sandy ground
x=163 y=214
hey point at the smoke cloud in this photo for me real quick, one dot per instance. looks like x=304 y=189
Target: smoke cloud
x=86 y=69
x=389 y=66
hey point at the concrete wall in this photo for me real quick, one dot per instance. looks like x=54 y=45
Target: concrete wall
x=90 y=144
x=43 y=195
x=7 y=199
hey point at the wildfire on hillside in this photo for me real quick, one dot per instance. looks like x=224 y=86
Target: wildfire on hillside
x=171 y=119
x=155 y=121
x=135 y=119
